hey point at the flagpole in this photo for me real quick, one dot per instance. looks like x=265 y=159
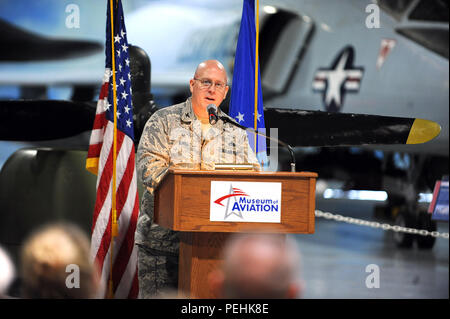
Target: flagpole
x=256 y=74
x=114 y=228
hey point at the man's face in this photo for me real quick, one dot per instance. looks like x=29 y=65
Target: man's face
x=208 y=87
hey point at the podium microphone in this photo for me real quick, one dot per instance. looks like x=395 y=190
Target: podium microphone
x=212 y=114
x=291 y=152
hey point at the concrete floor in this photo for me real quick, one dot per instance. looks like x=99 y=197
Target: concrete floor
x=334 y=259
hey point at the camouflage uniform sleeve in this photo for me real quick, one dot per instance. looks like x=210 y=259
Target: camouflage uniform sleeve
x=153 y=152
x=152 y=163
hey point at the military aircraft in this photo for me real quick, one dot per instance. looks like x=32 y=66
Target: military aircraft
x=387 y=58
x=323 y=63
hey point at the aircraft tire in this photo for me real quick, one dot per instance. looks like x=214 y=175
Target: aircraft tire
x=424 y=221
x=404 y=219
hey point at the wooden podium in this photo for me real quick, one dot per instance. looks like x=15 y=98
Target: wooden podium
x=182 y=203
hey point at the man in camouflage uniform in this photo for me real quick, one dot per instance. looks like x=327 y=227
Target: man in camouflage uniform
x=180 y=136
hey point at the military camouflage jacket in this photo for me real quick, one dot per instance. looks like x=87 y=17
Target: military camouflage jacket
x=173 y=137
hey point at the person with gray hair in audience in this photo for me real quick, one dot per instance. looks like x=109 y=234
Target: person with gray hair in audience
x=258 y=266
x=56 y=264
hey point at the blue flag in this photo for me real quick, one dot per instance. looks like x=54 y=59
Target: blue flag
x=242 y=101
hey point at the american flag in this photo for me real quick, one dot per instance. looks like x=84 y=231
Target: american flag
x=100 y=162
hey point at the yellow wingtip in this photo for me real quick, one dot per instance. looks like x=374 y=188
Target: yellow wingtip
x=423 y=131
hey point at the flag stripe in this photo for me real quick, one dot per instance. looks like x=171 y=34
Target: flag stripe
x=105 y=198
x=134 y=290
x=97 y=136
x=125 y=209
x=95 y=149
x=123 y=257
x=105 y=177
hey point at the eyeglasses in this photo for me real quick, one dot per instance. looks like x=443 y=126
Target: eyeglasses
x=206 y=84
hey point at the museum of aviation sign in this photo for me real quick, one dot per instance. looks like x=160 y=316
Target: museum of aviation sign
x=245 y=202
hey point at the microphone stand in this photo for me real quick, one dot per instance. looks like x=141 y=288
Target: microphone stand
x=291 y=152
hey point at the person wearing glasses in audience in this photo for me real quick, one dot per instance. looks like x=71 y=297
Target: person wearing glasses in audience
x=181 y=136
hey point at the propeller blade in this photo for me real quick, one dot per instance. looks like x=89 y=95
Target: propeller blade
x=39 y=120
x=318 y=128
x=23 y=45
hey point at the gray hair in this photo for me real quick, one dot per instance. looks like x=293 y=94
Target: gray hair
x=260 y=266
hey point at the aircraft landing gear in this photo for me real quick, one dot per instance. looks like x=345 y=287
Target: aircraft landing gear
x=404 y=219
x=425 y=222
x=421 y=220
x=403 y=184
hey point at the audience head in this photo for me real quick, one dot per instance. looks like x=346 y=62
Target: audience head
x=259 y=266
x=55 y=263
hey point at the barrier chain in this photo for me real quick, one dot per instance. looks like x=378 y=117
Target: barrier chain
x=384 y=226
